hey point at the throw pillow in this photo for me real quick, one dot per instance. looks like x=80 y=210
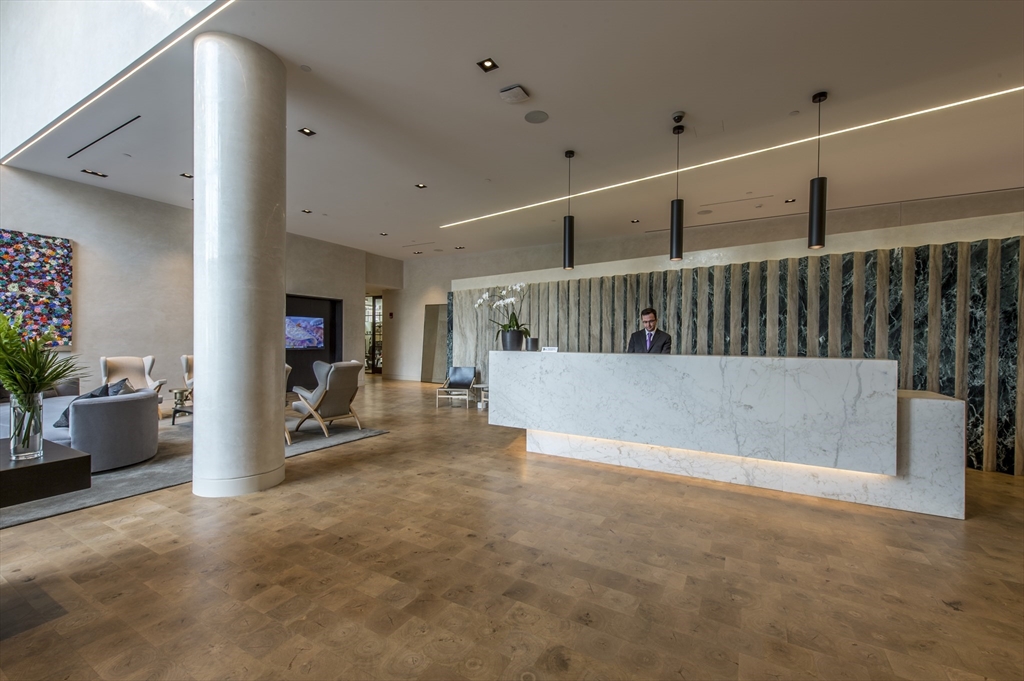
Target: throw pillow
x=65 y=419
x=122 y=387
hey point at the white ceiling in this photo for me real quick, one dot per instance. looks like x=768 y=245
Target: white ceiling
x=396 y=98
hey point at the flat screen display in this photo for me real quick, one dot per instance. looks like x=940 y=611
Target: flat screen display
x=303 y=332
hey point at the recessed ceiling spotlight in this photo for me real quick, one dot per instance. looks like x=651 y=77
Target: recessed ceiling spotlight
x=383 y=233
x=634 y=221
x=305 y=68
x=459 y=248
x=306 y=210
x=417 y=252
x=760 y=205
x=790 y=200
x=794 y=113
x=187 y=176
x=420 y=186
x=705 y=212
x=307 y=132
x=487 y=65
x=536 y=116
x=93 y=172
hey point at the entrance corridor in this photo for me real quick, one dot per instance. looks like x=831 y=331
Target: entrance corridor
x=443 y=551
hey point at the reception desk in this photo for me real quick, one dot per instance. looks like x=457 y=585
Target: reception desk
x=834 y=428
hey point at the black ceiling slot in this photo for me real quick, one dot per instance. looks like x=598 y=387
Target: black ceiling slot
x=104 y=136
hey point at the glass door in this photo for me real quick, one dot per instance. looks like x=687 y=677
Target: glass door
x=374 y=337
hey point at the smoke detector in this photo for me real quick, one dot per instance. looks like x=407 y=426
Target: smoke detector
x=513 y=94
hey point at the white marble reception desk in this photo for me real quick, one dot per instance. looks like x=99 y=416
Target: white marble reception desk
x=821 y=427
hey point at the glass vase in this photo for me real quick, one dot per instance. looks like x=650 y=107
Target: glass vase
x=26 y=426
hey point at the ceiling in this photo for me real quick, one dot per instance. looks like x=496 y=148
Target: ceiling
x=396 y=99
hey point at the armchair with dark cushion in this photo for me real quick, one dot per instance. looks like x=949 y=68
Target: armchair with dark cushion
x=337 y=385
x=458 y=386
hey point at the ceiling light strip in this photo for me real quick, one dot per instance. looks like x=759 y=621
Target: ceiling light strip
x=743 y=155
x=10 y=157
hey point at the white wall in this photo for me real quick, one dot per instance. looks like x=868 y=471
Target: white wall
x=428 y=281
x=57 y=52
x=132 y=285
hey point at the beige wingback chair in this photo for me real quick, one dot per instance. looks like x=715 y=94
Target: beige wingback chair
x=138 y=370
x=188 y=372
x=287 y=373
x=337 y=385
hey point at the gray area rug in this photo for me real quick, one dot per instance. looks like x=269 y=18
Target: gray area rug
x=171 y=466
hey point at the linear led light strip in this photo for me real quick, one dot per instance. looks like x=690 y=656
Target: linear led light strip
x=118 y=82
x=743 y=155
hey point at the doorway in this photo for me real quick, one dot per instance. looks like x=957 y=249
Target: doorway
x=374 y=334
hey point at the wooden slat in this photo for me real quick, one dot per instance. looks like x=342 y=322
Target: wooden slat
x=771 y=333
x=583 y=331
x=792 y=306
x=1018 y=440
x=540 y=330
x=702 y=310
x=658 y=295
x=735 y=309
x=835 y=305
x=718 y=307
x=857 y=318
x=607 y=320
x=934 y=315
x=754 y=311
x=813 y=304
x=990 y=414
x=907 y=320
x=632 y=308
x=882 y=305
x=643 y=290
x=672 y=301
x=595 y=315
x=686 y=311
x=963 y=302
x=563 y=316
x=573 y=329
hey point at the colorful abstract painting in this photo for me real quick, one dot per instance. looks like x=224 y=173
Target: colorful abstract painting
x=35 y=281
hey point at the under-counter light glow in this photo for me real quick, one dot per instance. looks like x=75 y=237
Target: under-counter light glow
x=743 y=155
x=10 y=157
x=94 y=172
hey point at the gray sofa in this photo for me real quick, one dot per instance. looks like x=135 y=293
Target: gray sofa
x=117 y=431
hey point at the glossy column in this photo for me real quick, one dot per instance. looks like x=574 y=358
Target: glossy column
x=239 y=254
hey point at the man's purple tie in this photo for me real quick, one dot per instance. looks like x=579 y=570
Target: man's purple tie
x=649 y=336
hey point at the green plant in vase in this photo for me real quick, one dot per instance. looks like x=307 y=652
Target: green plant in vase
x=508 y=304
x=28 y=368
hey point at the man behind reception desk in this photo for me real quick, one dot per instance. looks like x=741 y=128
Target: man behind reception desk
x=650 y=339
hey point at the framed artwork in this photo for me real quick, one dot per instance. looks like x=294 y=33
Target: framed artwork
x=35 y=272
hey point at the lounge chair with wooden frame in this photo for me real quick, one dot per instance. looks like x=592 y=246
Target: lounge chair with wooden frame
x=459 y=385
x=337 y=385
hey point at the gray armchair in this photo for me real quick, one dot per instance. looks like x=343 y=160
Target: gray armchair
x=337 y=385
x=458 y=386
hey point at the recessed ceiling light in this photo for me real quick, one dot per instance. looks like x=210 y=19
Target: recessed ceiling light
x=459 y=248
x=536 y=116
x=790 y=200
x=420 y=186
x=383 y=233
x=307 y=132
x=634 y=221
x=794 y=113
x=760 y=205
x=187 y=176
x=705 y=212
x=417 y=252
x=93 y=172
x=305 y=68
x=487 y=65
x=306 y=210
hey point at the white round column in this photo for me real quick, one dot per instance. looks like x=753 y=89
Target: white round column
x=239 y=231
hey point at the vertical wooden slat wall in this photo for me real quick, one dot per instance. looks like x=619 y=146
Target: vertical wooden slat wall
x=768 y=307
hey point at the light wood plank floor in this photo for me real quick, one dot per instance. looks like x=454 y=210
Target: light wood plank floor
x=443 y=551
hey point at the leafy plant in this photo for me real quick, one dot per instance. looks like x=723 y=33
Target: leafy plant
x=508 y=306
x=29 y=366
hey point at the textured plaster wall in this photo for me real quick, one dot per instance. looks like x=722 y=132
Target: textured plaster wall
x=55 y=53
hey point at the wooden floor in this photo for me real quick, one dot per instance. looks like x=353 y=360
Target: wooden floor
x=442 y=551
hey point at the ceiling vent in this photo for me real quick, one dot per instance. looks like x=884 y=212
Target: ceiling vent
x=513 y=94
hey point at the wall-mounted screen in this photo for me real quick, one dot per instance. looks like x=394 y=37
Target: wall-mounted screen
x=303 y=332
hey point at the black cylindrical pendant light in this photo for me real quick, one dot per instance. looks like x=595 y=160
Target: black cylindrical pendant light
x=819 y=192
x=568 y=224
x=675 y=247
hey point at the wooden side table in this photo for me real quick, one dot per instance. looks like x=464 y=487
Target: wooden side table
x=58 y=471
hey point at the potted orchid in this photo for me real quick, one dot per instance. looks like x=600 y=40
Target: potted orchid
x=508 y=305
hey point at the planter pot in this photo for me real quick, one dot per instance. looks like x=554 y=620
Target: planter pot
x=533 y=344
x=26 y=426
x=512 y=340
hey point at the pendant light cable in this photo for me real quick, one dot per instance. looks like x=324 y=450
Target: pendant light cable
x=677 y=158
x=819 y=140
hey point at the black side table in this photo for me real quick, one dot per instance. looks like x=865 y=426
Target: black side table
x=58 y=471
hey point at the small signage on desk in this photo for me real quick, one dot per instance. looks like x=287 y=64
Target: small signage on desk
x=550 y=349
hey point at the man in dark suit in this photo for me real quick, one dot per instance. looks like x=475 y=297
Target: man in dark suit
x=650 y=339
